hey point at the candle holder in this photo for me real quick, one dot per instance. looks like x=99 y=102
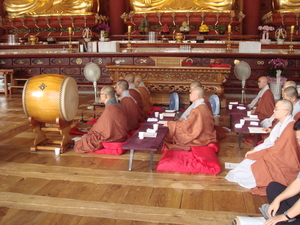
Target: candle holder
x=70 y=49
x=291 y=46
x=228 y=48
x=129 y=48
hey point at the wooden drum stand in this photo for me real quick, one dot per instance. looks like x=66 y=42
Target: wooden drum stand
x=41 y=142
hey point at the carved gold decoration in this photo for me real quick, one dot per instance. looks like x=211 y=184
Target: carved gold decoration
x=168 y=61
x=162 y=80
x=17 y=8
x=171 y=5
x=260 y=63
x=100 y=61
x=79 y=61
x=21 y=62
x=287 y=5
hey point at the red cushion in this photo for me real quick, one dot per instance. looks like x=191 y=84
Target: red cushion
x=111 y=148
x=202 y=159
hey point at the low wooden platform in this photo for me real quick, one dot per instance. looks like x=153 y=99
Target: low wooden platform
x=75 y=189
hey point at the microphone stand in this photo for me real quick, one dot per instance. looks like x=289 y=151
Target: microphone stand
x=82 y=120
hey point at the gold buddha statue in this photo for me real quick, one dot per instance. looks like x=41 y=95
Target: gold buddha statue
x=180 y=5
x=287 y=5
x=15 y=8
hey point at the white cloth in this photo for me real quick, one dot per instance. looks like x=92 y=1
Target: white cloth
x=127 y=94
x=131 y=86
x=255 y=100
x=192 y=106
x=267 y=122
x=275 y=133
x=242 y=174
x=296 y=108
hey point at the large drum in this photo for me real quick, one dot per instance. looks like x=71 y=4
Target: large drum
x=50 y=96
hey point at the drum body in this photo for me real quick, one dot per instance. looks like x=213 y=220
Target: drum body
x=50 y=96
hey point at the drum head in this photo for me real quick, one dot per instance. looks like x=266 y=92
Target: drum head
x=68 y=99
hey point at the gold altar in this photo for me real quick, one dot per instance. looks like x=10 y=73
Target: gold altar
x=163 y=80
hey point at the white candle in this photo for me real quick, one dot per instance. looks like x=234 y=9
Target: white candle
x=229 y=28
x=292 y=29
x=129 y=29
x=70 y=30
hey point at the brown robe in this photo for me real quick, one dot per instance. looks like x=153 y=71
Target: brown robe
x=278 y=163
x=220 y=131
x=206 y=101
x=110 y=127
x=137 y=96
x=265 y=105
x=147 y=105
x=197 y=130
x=132 y=112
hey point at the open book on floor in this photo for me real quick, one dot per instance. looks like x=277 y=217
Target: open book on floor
x=247 y=220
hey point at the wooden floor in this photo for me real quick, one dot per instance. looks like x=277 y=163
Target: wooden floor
x=76 y=189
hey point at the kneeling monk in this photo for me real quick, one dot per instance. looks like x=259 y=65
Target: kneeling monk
x=110 y=127
x=196 y=130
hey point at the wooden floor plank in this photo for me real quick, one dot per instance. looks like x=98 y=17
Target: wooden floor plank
x=166 y=197
x=228 y=201
x=107 y=193
x=139 y=195
x=197 y=199
x=117 y=177
x=113 y=210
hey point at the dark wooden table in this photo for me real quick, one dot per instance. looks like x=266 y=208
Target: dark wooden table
x=148 y=143
x=236 y=113
x=235 y=116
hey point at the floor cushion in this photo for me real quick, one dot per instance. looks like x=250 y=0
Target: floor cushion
x=112 y=148
x=201 y=159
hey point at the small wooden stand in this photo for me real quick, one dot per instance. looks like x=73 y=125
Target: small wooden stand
x=41 y=142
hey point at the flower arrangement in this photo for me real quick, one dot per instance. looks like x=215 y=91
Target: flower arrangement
x=266 y=29
x=277 y=70
x=103 y=29
x=103 y=26
x=278 y=64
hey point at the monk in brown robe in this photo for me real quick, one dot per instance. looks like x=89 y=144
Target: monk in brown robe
x=134 y=92
x=221 y=132
x=276 y=159
x=198 y=84
x=110 y=127
x=129 y=105
x=139 y=84
x=196 y=130
x=264 y=103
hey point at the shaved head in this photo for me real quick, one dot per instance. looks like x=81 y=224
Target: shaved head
x=123 y=84
x=285 y=104
x=289 y=83
x=109 y=91
x=129 y=78
x=291 y=92
x=199 y=91
x=196 y=84
x=262 y=82
x=137 y=80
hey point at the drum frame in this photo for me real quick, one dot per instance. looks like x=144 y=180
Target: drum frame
x=41 y=142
